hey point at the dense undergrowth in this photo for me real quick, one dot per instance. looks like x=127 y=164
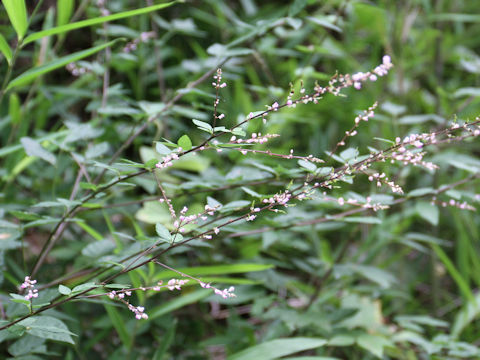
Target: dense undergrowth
x=239 y=179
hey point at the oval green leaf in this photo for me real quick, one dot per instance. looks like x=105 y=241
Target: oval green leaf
x=277 y=348
x=185 y=143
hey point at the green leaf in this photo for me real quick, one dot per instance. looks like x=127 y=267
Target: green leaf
x=362 y=219
x=64 y=11
x=163 y=232
x=33 y=148
x=119 y=325
x=383 y=278
x=162 y=149
x=428 y=212
x=14 y=109
x=454 y=273
x=17 y=13
x=90 y=22
x=455 y=17
x=94 y=233
x=154 y=212
x=11 y=149
x=19 y=299
x=307 y=165
x=202 y=125
x=178 y=302
x=25 y=345
x=190 y=162
x=467 y=91
x=165 y=341
x=373 y=344
x=98 y=248
x=279 y=347
x=421 y=192
x=83 y=287
x=215 y=270
x=185 y=143
x=418 y=119
x=64 y=290
x=35 y=72
x=327 y=22
x=5 y=49
x=296 y=7
x=48 y=327
x=117 y=286
x=468 y=313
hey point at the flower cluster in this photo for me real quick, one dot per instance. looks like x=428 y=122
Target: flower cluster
x=278 y=199
x=218 y=80
x=381 y=178
x=380 y=70
x=75 y=69
x=113 y=294
x=460 y=205
x=30 y=285
x=365 y=116
x=335 y=86
x=144 y=37
x=184 y=219
x=167 y=160
x=139 y=311
x=172 y=284
x=225 y=293
x=412 y=157
x=175 y=284
x=254 y=139
x=101 y=4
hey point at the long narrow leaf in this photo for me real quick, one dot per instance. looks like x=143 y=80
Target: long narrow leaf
x=215 y=270
x=64 y=11
x=90 y=22
x=177 y=303
x=119 y=325
x=33 y=73
x=17 y=13
x=5 y=49
x=14 y=148
x=454 y=273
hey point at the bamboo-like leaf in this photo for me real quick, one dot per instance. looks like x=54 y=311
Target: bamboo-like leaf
x=90 y=22
x=35 y=72
x=177 y=303
x=14 y=109
x=64 y=11
x=17 y=13
x=5 y=49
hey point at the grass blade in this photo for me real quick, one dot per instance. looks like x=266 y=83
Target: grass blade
x=5 y=49
x=454 y=273
x=119 y=325
x=64 y=11
x=215 y=270
x=90 y=22
x=17 y=13
x=33 y=73
x=178 y=302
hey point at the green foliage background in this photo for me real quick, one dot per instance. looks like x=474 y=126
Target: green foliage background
x=399 y=283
